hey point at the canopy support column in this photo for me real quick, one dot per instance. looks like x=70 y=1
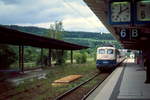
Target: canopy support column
x=71 y=56
x=50 y=57
x=41 y=57
x=21 y=58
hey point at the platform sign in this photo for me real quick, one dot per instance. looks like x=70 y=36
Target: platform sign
x=129 y=34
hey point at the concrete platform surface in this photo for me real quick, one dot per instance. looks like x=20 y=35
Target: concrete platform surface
x=125 y=83
x=132 y=84
x=28 y=75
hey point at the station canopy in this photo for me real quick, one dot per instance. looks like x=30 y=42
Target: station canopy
x=15 y=37
x=101 y=8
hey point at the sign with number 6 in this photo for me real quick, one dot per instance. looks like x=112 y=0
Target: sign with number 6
x=124 y=34
x=129 y=33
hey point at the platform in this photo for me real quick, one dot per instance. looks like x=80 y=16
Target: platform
x=125 y=83
x=27 y=75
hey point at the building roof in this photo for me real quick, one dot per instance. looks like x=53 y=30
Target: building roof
x=100 y=9
x=15 y=37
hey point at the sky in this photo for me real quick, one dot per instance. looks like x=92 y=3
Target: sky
x=74 y=14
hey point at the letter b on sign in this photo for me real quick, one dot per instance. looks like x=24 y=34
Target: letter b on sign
x=134 y=33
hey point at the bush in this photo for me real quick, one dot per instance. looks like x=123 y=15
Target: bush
x=81 y=58
x=61 y=58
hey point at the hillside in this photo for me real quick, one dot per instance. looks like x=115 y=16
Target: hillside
x=30 y=29
x=91 y=39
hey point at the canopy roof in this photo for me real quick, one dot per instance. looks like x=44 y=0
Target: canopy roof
x=100 y=9
x=15 y=37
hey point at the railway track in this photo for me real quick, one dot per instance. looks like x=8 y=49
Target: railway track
x=74 y=93
x=80 y=92
x=77 y=93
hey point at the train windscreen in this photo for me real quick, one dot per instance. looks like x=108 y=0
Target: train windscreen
x=101 y=51
x=109 y=51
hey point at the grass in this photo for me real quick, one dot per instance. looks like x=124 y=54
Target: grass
x=87 y=70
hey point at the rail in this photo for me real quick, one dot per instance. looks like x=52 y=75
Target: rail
x=83 y=83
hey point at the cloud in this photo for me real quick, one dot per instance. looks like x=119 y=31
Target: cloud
x=35 y=11
x=76 y=24
x=83 y=24
x=74 y=14
x=10 y=1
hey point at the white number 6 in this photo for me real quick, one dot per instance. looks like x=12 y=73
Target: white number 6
x=123 y=33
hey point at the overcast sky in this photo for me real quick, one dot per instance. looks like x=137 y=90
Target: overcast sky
x=74 y=14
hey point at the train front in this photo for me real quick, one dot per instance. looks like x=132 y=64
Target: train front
x=106 y=58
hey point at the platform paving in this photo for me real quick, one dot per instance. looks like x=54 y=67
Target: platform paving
x=125 y=83
x=133 y=85
x=28 y=75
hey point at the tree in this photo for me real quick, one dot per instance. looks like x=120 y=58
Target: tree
x=55 y=32
x=7 y=56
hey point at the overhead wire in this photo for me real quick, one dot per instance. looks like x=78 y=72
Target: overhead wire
x=77 y=11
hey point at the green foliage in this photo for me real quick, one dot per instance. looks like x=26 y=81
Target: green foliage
x=42 y=59
x=88 y=35
x=78 y=57
x=30 y=54
x=81 y=57
x=84 y=58
x=60 y=57
x=7 y=56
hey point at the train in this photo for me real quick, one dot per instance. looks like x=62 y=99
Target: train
x=107 y=57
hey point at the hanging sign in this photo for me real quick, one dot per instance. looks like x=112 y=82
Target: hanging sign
x=129 y=34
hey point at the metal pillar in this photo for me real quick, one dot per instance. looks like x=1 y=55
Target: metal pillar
x=21 y=58
x=50 y=58
x=61 y=60
x=22 y=69
x=71 y=57
x=41 y=57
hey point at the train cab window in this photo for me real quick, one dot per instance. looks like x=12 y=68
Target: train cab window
x=109 y=51
x=101 y=51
